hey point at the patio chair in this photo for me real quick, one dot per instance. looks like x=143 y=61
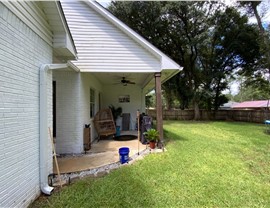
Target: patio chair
x=104 y=123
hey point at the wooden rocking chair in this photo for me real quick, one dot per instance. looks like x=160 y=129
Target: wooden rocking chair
x=104 y=123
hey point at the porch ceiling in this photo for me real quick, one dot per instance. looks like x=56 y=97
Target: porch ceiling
x=141 y=79
x=145 y=80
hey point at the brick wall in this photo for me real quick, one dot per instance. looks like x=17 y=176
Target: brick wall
x=21 y=54
x=89 y=81
x=69 y=128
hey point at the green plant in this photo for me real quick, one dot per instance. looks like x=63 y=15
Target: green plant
x=115 y=112
x=151 y=135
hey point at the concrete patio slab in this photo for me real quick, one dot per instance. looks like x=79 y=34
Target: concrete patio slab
x=101 y=153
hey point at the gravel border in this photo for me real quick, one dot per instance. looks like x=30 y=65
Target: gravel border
x=67 y=178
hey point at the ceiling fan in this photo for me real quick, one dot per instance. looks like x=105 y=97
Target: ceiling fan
x=125 y=81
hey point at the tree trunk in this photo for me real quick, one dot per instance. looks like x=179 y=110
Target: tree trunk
x=197 y=115
x=169 y=99
x=263 y=33
x=258 y=18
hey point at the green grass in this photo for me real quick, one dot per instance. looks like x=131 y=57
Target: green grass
x=208 y=164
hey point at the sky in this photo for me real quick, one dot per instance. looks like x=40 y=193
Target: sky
x=104 y=3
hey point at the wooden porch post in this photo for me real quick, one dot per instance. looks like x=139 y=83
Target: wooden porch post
x=159 y=108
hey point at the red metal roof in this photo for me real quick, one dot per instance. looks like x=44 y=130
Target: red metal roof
x=252 y=104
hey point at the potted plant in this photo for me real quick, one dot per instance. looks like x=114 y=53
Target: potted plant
x=152 y=136
x=115 y=113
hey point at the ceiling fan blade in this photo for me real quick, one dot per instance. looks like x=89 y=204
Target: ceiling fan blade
x=129 y=82
x=124 y=81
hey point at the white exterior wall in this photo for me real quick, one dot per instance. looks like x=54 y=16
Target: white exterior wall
x=102 y=46
x=32 y=15
x=137 y=101
x=73 y=109
x=68 y=114
x=22 y=53
x=89 y=81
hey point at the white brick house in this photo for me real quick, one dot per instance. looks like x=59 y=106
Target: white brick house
x=32 y=34
x=36 y=46
x=107 y=51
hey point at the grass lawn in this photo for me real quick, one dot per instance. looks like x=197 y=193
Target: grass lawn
x=208 y=164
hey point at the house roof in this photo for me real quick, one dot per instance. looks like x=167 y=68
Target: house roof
x=228 y=105
x=47 y=20
x=252 y=104
x=63 y=44
x=166 y=62
x=105 y=44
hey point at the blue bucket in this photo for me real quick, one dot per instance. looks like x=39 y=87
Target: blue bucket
x=123 y=155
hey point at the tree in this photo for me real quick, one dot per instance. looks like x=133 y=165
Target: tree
x=144 y=17
x=188 y=26
x=252 y=92
x=150 y=100
x=169 y=95
x=207 y=40
x=259 y=73
x=233 y=44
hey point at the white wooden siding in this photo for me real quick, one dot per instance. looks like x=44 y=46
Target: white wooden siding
x=101 y=46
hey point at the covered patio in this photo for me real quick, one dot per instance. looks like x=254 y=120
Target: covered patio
x=115 y=66
x=102 y=153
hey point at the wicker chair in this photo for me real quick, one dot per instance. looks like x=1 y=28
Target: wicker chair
x=104 y=123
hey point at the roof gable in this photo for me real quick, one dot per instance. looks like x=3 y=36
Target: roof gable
x=105 y=44
x=101 y=46
x=166 y=62
x=46 y=20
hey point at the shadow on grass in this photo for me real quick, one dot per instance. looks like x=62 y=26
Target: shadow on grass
x=171 y=137
x=187 y=122
x=124 y=187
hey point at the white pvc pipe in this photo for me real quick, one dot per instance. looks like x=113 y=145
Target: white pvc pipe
x=43 y=126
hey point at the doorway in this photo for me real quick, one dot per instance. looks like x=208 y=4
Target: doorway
x=54 y=108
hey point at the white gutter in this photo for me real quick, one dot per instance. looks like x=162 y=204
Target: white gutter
x=43 y=126
x=73 y=66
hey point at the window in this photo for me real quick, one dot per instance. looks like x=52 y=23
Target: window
x=92 y=102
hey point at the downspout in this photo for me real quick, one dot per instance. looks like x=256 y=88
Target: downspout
x=43 y=126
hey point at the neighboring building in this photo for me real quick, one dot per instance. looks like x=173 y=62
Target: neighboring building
x=252 y=105
x=227 y=106
x=41 y=88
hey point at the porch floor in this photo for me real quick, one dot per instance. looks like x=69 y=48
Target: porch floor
x=102 y=153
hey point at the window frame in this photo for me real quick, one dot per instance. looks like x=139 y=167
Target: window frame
x=92 y=102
